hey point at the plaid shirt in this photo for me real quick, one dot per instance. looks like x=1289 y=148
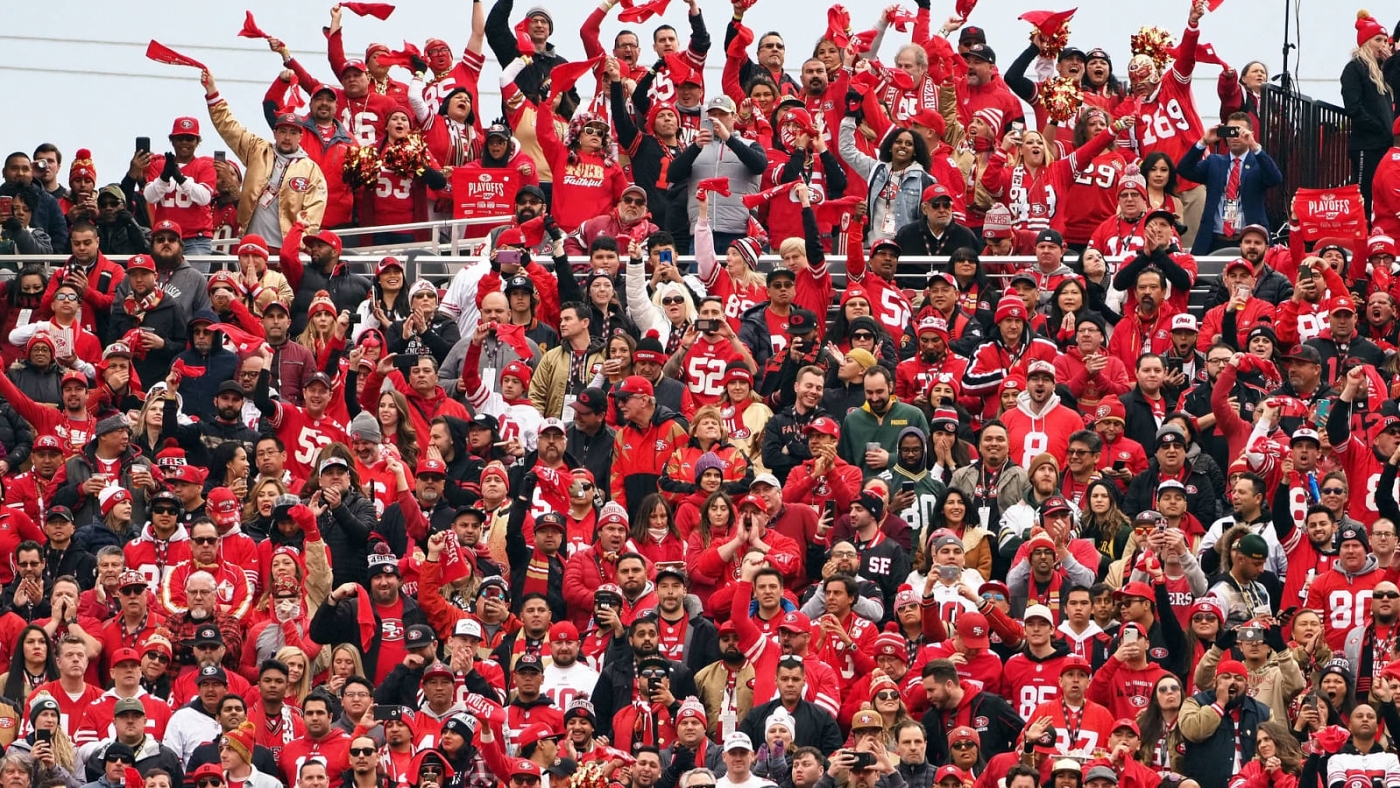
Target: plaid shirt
x=182 y=629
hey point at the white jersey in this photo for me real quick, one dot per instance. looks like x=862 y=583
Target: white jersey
x=562 y=685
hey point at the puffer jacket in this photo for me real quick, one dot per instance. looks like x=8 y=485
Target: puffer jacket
x=345 y=530
x=302 y=193
x=741 y=161
x=40 y=384
x=219 y=365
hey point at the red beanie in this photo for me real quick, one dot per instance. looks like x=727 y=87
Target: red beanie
x=82 y=162
x=1367 y=28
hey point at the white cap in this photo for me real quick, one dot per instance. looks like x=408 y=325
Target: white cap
x=467 y=628
x=1038 y=611
x=551 y=424
x=766 y=478
x=1040 y=366
x=1184 y=322
x=738 y=741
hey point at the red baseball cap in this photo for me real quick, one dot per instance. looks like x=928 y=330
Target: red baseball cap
x=974 y=630
x=823 y=425
x=1341 y=304
x=222 y=507
x=934 y=192
x=430 y=465
x=796 y=621
x=635 y=384
x=1075 y=662
x=49 y=442
x=754 y=501
x=185 y=127
x=125 y=655
x=386 y=264
x=522 y=766
x=327 y=237
x=141 y=262
x=1135 y=589
x=165 y=225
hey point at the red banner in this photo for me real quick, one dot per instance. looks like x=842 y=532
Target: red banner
x=1330 y=212
x=479 y=192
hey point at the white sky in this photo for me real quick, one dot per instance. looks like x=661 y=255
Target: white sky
x=76 y=74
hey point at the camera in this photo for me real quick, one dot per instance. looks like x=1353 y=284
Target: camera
x=708 y=326
x=1228 y=132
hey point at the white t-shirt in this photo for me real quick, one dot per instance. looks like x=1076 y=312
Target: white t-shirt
x=562 y=684
x=754 y=781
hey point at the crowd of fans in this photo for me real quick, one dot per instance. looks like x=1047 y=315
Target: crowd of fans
x=591 y=516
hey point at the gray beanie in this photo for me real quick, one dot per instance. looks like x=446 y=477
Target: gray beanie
x=365 y=427
x=539 y=11
x=112 y=424
x=709 y=460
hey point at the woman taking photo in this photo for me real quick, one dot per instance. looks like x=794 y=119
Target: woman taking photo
x=1369 y=102
x=55 y=751
x=952 y=516
x=232 y=457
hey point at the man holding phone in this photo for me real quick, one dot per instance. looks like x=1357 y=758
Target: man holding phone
x=1235 y=181
x=707 y=349
x=181 y=187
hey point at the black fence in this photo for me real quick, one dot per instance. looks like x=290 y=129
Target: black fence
x=1308 y=140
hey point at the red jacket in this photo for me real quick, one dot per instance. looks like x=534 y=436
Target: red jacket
x=1134 y=336
x=842 y=484
x=1123 y=690
x=103 y=276
x=709 y=573
x=641 y=454
x=583 y=573
x=334 y=750
x=679 y=474
x=546 y=290
x=1256 y=311
x=1089 y=389
x=232 y=587
x=421 y=410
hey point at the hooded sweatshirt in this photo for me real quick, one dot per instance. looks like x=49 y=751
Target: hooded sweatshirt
x=1344 y=598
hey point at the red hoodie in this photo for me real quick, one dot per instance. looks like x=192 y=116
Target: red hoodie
x=421 y=410
x=1125 y=691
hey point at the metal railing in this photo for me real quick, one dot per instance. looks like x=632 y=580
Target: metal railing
x=447 y=236
x=1308 y=140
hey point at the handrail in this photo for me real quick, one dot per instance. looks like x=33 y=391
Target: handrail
x=456 y=227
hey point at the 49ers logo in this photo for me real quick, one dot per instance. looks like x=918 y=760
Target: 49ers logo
x=299 y=184
x=1158 y=653
x=391 y=630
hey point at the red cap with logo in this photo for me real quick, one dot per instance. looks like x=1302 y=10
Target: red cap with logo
x=185 y=127
x=796 y=621
x=431 y=465
x=974 y=630
x=823 y=425
x=167 y=226
x=222 y=507
x=48 y=443
x=1342 y=304
x=141 y=262
x=635 y=384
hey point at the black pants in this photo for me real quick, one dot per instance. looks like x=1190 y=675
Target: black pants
x=1363 y=170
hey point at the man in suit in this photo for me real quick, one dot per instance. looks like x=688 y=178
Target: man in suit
x=1235 y=183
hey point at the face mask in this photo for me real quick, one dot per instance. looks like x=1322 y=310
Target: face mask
x=982 y=144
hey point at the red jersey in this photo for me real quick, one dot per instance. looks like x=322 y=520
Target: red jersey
x=737 y=298
x=1118 y=236
x=888 y=303
x=1363 y=470
x=1034 y=198
x=1092 y=197
x=334 y=750
x=777 y=331
x=1343 y=600
x=15 y=527
x=398 y=199
x=391 y=646
x=704 y=368
x=277 y=731
x=1168 y=120
x=1028 y=683
x=465 y=73
x=304 y=436
x=70 y=708
x=28 y=493
x=913 y=376
x=116 y=635
x=154 y=557
x=239 y=549
x=232 y=587
x=195 y=220
x=1084 y=729
x=905 y=104
x=97 y=722
x=853 y=660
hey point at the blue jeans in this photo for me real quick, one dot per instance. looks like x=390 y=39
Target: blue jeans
x=199 y=246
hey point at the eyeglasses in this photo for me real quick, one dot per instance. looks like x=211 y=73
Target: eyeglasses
x=204 y=539
x=1386 y=534
x=528 y=201
x=1169 y=688
x=634 y=201
x=844 y=554
x=600 y=131
x=1217 y=361
x=887 y=695
x=1333 y=491
x=1385 y=595
x=995 y=597
x=66 y=297
x=360 y=694
x=672 y=301
x=362 y=752
x=965 y=745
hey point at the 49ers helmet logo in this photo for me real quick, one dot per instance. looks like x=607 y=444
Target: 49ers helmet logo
x=299 y=184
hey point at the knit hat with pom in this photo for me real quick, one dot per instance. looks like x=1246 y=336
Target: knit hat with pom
x=82 y=165
x=1367 y=28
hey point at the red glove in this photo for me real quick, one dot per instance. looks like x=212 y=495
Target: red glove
x=306 y=521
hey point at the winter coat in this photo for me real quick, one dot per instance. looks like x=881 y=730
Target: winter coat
x=302 y=193
x=338 y=623
x=40 y=384
x=1209 y=740
x=1372 y=112
x=80 y=468
x=345 y=530
x=169 y=319
x=740 y=161
x=908 y=202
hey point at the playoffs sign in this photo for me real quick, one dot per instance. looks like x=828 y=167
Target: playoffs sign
x=1337 y=213
x=478 y=193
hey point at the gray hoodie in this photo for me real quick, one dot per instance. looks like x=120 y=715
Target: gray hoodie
x=741 y=161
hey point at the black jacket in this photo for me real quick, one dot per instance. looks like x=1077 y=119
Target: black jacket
x=993 y=718
x=122 y=235
x=533 y=79
x=618 y=679
x=169 y=319
x=339 y=622
x=200 y=438
x=16 y=437
x=437 y=341
x=784 y=445
x=916 y=239
x=1200 y=493
x=1372 y=112
x=74 y=561
x=815 y=726
x=593 y=452
x=520 y=553
x=1140 y=424
x=393 y=526
x=346 y=290
x=346 y=530
x=1211 y=762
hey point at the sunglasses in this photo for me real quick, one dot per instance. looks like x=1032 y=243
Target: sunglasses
x=214 y=781
x=1202 y=618
x=1333 y=491
x=1077 y=452
x=362 y=752
x=165 y=510
x=634 y=201
x=157 y=656
x=126 y=759
x=598 y=130
x=66 y=297
x=862 y=335
x=672 y=301
x=887 y=695
x=965 y=745
x=204 y=539
x=132 y=591
x=995 y=597
x=783 y=285
x=1385 y=595
x=586 y=486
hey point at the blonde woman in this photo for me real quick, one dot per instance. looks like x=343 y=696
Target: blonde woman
x=339 y=663
x=1025 y=176
x=298 y=673
x=257 y=512
x=58 y=754
x=1368 y=101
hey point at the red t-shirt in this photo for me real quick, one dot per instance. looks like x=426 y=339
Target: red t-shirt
x=704 y=368
x=391 y=638
x=777 y=331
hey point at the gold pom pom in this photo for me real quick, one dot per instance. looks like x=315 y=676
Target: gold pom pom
x=1363 y=14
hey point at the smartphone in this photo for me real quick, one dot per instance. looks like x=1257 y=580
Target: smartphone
x=143 y=144
x=220 y=156
x=43 y=735
x=1228 y=132
x=906 y=487
x=1174 y=364
x=386 y=713
x=1120 y=465
x=872 y=446
x=1018 y=127
x=508 y=256
x=863 y=760
x=666 y=257
x=949 y=572
x=831 y=509
x=1130 y=636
